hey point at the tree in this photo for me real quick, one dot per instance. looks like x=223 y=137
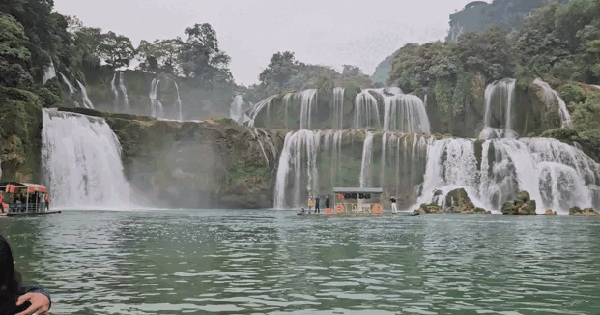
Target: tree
x=116 y=50
x=353 y=75
x=85 y=45
x=201 y=58
x=281 y=69
x=14 y=55
x=161 y=55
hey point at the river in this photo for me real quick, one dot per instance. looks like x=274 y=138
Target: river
x=275 y=262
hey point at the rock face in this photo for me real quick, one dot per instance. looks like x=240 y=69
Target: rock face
x=522 y=205
x=456 y=201
x=429 y=209
x=212 y=164
x=582 y=212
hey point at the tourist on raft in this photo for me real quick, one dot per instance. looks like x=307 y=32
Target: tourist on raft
x=310 y=203
x=327 y=202
x=15 y=298
x=317 y=207
x=393 y=201
x=47 y=201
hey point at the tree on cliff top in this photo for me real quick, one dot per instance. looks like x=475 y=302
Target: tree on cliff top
x=201 y=58
x=116 y=50
x=282 y=68
x=161 y=55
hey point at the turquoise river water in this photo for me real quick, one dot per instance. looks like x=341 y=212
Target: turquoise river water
x=275 y=262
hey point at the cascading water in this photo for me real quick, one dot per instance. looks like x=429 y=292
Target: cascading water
x=366 y=111
x=66 y=80
x=178 y=103
x=155 y=105
x=84 y=96
x=114 y=91
x=556 y=175
x=552 y=97
x=123 y=89
x=81 y=158
x=287 y=100
x=307 y=101
x=499 y=104
x=406 y=113
x=237 y=110
x=338 y=108
x=366 y=165
x=49 y=73
x=257 y=108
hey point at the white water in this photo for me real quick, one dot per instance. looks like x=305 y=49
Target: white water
x=155 y=105
x=366 y=165
x=552 y=97
x=71 y=88
x=257 y=108
x=308 y=100
x=237 y=110
x=556 y=175
x=287 y=100
x=406 y=113
x=49 y=73
x=81 y=159
x=366 y=110
x=338 y=108
x=84 y=96
x=114 y=91
x=123 y=89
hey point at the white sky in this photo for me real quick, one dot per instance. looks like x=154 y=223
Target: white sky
x=324 y=32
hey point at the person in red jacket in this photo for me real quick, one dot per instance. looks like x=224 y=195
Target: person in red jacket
x=47 y=201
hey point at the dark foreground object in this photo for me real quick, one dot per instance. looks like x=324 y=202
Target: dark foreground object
x=23 y=214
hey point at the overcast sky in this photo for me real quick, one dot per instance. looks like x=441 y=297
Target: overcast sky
x=324 y=32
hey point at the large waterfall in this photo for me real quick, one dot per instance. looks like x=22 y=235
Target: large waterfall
x=82 y=165
x=66 y=80
x=237 y=110
x=155 y=105
x=556 y=175
x=84 y=96
x=178 y=103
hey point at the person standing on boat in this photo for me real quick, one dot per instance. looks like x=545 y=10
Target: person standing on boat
x=16 y=298
x=47 y=202
x=327 y=202
x=310 y=203
x=393 y=201
x=317 y=201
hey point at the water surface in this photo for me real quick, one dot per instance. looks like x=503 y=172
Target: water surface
x=272 y=262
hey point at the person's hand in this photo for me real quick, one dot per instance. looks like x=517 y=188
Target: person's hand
x=40 y=304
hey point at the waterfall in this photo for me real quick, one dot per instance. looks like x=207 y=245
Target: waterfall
x=366 y=110
x=298 y=158
x=552 y=97
x=237 y=110
x=499 y=103
x=366 y=165
x=81 y=160
x=337 y=112
x=114 y=91
x=178 y=103
x=287 y=100
x=155 y=105
x=307 y=100
x=556 y=175
x=123 y=89
x=84 y=96
x=66 y=80
x=257 y=108
x=49 y=73
x=409 y=111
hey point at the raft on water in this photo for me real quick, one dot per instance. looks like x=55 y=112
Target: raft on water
x=20 y=199
x=354 y=201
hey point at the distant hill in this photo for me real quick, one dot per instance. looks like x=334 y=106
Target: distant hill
x=475 y=16
x=479 y=14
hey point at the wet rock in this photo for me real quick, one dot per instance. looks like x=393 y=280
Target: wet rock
x=458 y=201
x=550 y=212
x=429 y=209
x=576 y=211
x=520 y=206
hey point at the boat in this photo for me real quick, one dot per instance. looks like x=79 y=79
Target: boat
x=23 y=199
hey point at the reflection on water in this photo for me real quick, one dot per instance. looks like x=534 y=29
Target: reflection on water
x=268 y=262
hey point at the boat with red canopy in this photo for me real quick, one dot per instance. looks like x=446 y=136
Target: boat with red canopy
x=23 y=199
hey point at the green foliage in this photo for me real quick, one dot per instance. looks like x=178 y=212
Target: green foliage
x=116 y=50
x=14 y=55
x=280 y=70
x=201 y=58
x=162 y=55
x=243 y=170
x=50 y=93
x=586 y=114
x=353 y=75
x=572 y=93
